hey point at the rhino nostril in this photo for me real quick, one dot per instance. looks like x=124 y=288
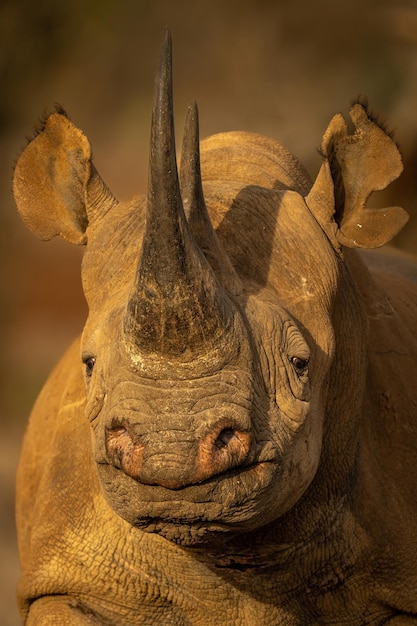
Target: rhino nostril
x=224 y=437
x=117 y=440
x=221 y=451
x=116 y=432
x=124 y=451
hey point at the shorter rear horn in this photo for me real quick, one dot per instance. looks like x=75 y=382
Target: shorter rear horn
x=195 y=206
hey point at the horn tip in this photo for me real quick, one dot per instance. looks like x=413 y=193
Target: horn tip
x=167 y=41
x=192 y=114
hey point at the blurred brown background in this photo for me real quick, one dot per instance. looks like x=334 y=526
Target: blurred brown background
x=280 y=67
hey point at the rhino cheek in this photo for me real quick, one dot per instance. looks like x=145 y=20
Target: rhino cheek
x=300 y=471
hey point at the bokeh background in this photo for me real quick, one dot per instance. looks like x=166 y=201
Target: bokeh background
x=277 y=67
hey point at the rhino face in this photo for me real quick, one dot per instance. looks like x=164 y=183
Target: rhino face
x=199 y=392
x=194 y=449
x=208 y=353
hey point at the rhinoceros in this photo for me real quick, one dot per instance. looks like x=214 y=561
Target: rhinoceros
x=233 y=439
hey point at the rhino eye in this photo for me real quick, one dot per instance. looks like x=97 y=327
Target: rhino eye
x=300 y=365
x=89 y=363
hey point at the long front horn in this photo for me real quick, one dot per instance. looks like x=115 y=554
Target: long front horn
x=176 y=307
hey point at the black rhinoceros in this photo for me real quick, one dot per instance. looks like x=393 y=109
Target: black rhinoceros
x=233 y=440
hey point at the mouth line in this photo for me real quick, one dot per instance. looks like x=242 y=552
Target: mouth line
x=145 y=522
x=216 y=478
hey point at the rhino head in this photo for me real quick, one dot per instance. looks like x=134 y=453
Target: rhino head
x=218 y=325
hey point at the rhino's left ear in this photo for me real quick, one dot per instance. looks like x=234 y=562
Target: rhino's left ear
x=354 y=166
x=55 y=184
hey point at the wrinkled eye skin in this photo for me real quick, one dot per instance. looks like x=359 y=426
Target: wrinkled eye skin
x=298 y=379
x=296 y=357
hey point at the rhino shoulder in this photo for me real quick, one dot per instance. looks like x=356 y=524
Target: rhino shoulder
x=64 y=387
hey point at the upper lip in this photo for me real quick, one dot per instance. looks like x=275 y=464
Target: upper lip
x=267 y=454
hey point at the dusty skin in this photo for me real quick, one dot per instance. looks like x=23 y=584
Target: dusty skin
x=233 y=438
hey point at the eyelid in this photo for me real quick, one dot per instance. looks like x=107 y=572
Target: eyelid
x=295 y=344
x=305 y=361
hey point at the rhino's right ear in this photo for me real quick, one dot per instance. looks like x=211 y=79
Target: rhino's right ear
x=355 y=165
x=55 y=184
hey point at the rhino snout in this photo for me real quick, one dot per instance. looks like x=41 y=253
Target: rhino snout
x=163 y=459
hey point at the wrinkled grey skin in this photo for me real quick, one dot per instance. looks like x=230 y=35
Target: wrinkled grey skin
x=233 y=438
